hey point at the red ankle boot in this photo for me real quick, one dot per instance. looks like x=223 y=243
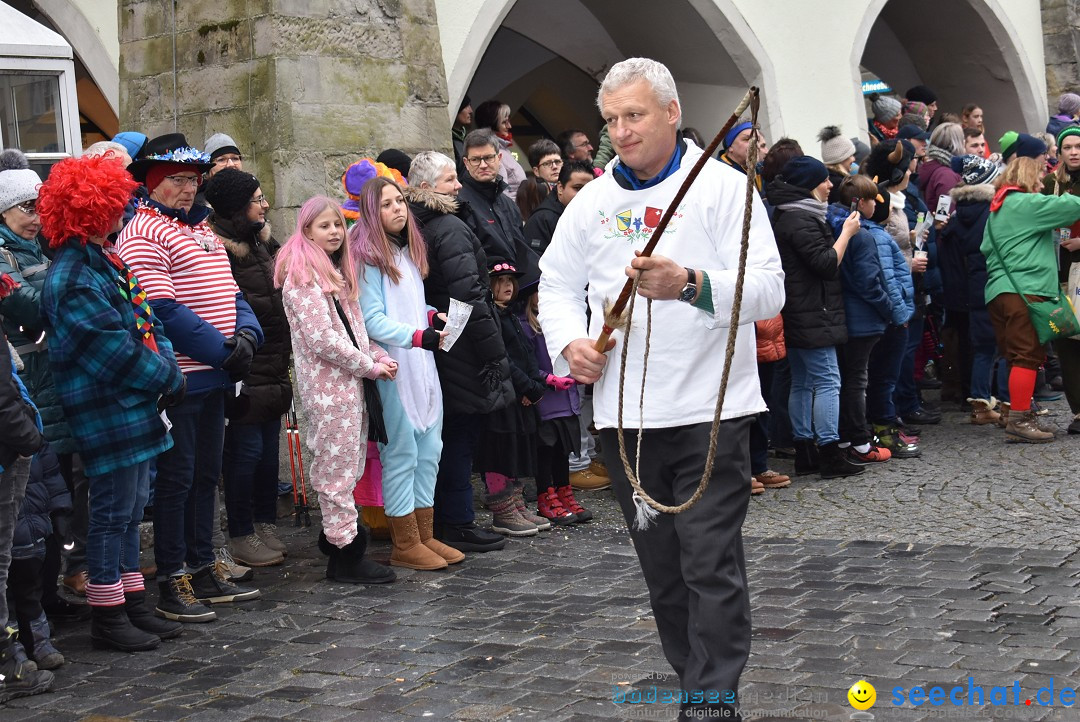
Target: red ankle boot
x=566 y=496
x=549 y=506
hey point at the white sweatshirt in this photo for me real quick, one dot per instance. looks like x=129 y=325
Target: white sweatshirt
x=593 y=244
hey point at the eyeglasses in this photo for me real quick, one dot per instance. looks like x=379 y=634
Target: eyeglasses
x=228 y=160
x=185 y=180
x=261 y=200
x=482 y=160
x=29 y=208
x=553 y=163
x=586 y=144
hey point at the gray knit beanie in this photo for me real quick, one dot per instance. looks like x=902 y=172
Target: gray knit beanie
x=884 y=107
x=220 y=144
x=18 y=184
x=1069 y=104
x=835 y=148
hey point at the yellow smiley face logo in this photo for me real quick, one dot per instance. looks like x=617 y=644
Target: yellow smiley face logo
x=862 y=695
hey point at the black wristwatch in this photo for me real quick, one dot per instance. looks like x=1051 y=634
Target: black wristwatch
x=690 y=290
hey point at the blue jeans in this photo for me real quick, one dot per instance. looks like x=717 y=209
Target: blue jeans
x=906 y=395
x=12 y=492
x=759 y=430
x=250 y=468
x=779 y=418
x=453 y=485
x=884 y=369
x=187 y=475
x=116 y=503
x=814 y=403
x=982 y=368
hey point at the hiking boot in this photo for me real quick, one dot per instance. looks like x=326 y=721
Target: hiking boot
x=110 y=628
x=834 y=462
x=76 y=583
x=599 y=468
x=211 y=585
x=176 y=601
x=756 y=487
x=586 y=480
x=519 y=503
x=142 y=618
x=44 y=653
x=920 y=417
x=253 y=551
x=806 y=456
x=770 y=479
x=875 y=455
x=889 y=437
x=1003 y=415
x=19 y=676
x=236 y=572
x=348 y=565
x=982 y=411
x=268 y=533
x=469 y=538
x=425 y=517
x=505 y=518
x=1024 y=427
x=409 y=551
x=566 y=496
x=550 y=506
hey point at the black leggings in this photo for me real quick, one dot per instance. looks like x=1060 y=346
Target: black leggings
x=552 y=466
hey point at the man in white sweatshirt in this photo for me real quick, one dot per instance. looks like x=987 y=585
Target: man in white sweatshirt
x=693 y=562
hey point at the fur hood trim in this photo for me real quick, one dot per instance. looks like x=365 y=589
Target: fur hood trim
x=982 y=192
x=241 y=249
x=438 y=202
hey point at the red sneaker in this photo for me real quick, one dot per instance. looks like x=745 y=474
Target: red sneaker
x=549 y=506
x=875 y=455
x=566 y=496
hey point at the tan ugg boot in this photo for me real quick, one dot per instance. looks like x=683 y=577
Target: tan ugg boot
x=1003 y=417
x=982 y=411
x=425 y=519
x=408 y=551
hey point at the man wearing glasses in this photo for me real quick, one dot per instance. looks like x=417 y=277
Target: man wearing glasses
x=185 y=272
x=492 y=216
x=575 y=145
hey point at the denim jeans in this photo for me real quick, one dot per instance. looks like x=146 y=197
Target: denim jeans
x=814 y=403
x=12 y=491
x=777 y=399
x=884 y=369
x=906 y=395
x=250 y=469
x=117 y=500
x=982 y=368
x=854 y=360
x=453 y=485
x=187 y=475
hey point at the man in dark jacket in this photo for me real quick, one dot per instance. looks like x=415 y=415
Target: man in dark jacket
x=541 y=226
x=492 y=215
x=474 y=374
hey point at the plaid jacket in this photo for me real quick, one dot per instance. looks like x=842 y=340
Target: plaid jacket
x=108 y=380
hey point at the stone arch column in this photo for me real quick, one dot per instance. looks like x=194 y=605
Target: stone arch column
x=88 y=44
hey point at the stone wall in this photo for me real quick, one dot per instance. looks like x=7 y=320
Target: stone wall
x=305 y=87
x=1061 y=40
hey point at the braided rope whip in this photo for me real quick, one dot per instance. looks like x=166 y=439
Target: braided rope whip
x=647 y=507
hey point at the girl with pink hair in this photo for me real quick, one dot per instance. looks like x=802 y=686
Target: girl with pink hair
x=391 y=259
x=332 y=355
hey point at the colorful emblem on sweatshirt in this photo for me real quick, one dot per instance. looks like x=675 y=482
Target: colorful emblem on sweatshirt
x=636 y=226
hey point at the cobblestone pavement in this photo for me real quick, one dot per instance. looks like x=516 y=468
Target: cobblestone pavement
x=927 y=572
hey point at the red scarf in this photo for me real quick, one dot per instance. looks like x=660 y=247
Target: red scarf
x=889 y=133
x=508 y=137
x=999 y=197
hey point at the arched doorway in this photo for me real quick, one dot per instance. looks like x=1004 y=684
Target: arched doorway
x=963 y=50
x=546 y=59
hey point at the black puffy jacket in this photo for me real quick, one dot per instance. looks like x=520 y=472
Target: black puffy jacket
x=19 y=435
x=814 y=310
x=492 y=216
x=458 y=269
x=267 y=392
x=541 y=224
x=46 y=496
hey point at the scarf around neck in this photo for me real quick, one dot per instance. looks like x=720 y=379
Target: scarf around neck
x=672 y=165
x=939 y=154
x=889 y=133
x=192 y=217
x=807 y=205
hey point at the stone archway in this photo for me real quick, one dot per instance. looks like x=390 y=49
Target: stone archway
x=964 y=50
x=547 y=59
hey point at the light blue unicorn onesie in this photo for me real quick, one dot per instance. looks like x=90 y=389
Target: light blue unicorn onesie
x=412 y=403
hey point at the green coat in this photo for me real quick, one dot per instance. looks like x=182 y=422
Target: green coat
x=1072 y=186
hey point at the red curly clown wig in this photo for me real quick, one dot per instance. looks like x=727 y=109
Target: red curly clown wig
x=83 y=198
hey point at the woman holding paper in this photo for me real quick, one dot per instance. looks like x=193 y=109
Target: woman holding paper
x=391 y=263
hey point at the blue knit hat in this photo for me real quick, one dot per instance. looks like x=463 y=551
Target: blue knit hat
x=803 y=171
x=1025 y=146
x=132 y=140
x=975 y=170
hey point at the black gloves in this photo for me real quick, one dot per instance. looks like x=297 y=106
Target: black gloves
x=238 y=363
x=167 y=400
x=491 y=375
x=429 y=340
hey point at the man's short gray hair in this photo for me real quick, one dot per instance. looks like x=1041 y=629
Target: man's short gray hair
x=428 y=166
x=479 y=138
x=104 y=147
x=632 y=70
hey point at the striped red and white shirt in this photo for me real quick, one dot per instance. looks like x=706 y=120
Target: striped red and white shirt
x=184 y=263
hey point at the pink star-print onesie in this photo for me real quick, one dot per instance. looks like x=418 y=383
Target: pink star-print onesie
x=329 y=369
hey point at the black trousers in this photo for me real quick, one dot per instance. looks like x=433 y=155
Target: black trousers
x=693 y=562
x=854 y=360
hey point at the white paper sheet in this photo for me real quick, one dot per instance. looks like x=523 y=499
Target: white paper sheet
x=456 y=318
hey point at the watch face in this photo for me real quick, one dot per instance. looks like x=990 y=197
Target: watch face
x=688 y=293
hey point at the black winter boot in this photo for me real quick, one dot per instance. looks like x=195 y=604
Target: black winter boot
x=110 y=628
x=19 y=676
x=142 y=618
x=806 y=457
x=834 y=463
x=349 y=566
